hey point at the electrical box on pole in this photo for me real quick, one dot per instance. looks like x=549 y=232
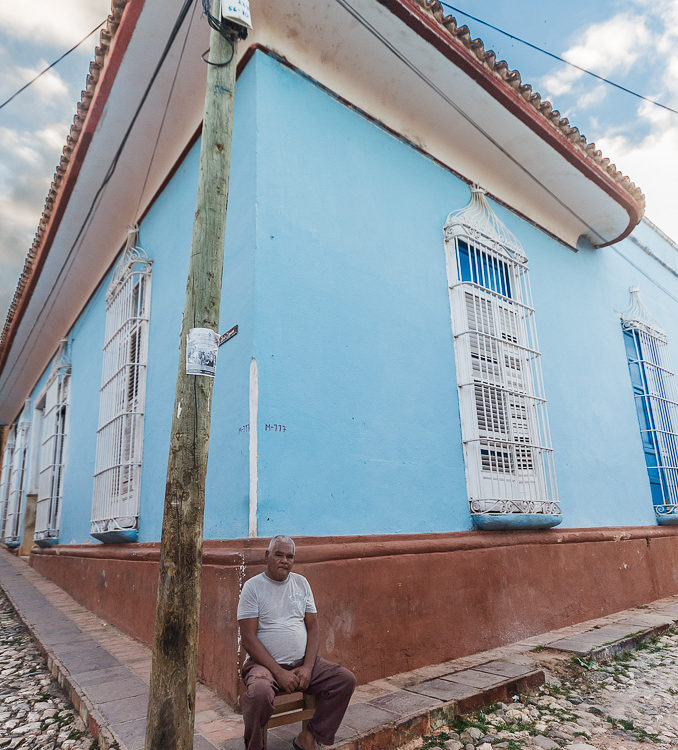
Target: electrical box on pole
x=236 y=11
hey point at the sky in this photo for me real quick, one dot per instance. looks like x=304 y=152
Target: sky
x=632 y=42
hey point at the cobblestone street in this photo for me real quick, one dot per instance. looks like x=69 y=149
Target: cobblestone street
x=34 y=712
x=628 y=702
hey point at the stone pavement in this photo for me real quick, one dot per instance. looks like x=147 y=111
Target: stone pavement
x=627 y=702
x=106 y=673
x=34 y=712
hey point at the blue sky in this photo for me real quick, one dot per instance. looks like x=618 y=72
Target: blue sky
x=632 y=42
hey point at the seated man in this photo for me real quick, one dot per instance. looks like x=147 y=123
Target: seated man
x=279 y=630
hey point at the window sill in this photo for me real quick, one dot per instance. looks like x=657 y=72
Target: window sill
x=513 y=521
x=46 y=541
x=667 y=519
x=116 y=536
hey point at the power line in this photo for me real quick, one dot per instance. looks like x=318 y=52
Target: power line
x=51 y=65
x=164 y=114
x=420 y=74
x=560 y=59
x=430 y=83
x=644 y=273
x=183 y=12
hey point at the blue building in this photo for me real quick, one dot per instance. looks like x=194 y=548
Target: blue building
x=405 y=217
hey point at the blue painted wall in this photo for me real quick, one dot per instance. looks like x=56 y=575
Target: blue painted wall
x=354 y=343
x=86 y=344
x=335 y=274
x=165 y=235
x=353 y=337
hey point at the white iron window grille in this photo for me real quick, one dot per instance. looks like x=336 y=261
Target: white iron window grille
x=505 y=430
x=52 y=413
x=4 y=477
x=16 y=480
x=117 y=477
x=656 y=397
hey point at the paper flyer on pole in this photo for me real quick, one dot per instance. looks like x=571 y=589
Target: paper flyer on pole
x=202 y=345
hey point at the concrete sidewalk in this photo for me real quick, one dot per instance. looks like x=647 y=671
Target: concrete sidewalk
x=105 y=673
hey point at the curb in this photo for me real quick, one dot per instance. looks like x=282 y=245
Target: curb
x=402 y=730
x=628 y=643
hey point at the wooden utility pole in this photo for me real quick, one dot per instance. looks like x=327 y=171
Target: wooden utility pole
x=171 y=703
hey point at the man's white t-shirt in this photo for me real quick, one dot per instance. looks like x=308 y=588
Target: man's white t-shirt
x=281 y=607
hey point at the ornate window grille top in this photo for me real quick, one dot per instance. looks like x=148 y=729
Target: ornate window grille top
x=656 y=397
x=117 y=477
x=507 y=447
x=15 y=477
x=61 y=364
x=637 y=316
x=477 y=219
x=51 y=422
x=132 y=257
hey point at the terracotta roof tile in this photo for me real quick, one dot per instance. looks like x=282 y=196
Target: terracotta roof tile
x=100 y=53
x=462 y=35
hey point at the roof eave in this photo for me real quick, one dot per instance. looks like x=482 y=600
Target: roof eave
x=426 y=18
x=114 y=39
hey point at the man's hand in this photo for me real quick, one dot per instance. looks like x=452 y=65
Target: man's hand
x=304 y=674
x=288 y=680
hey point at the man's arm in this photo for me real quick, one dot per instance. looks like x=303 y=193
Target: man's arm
x=312 y=643
x=288 y=680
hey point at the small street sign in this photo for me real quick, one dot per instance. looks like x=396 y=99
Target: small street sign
x=228 y=335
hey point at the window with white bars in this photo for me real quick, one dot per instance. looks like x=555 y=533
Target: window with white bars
x=4 y=477
x=14 y=490
x=117 y=477
x=505 y=432
x=51 y=428
x=656 y=398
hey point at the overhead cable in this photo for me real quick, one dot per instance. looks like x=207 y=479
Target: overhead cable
x=420 y=74
x=560 y=59
x=51 y=65
x=183 y=12
x=164 y=114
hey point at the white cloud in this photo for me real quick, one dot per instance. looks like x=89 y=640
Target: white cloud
x=560 y=82
x=18 y=146
x=646 y=163
x=611 y=46
x=614 y=44
x=53 y=137
x=593 y=97
x=648 y=158
x=49 y=86
x=641 y=40
x=27 y=161
x=62 y=23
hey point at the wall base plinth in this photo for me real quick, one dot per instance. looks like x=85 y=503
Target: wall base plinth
x=389 y=604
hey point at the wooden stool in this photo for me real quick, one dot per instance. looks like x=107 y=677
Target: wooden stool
x=291 y=707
